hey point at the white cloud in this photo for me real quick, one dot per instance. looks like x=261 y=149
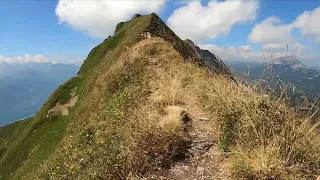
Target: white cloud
x=229 y=53
x=39 y=58
x=295 y=48
x=213 y=48
x=245 y=53
x=246 y=48
x=270 y=31
x=99 y=17
x=308 y=22
x=276 y=37
x=199 y=23
x=76 y=61
x=273 y=47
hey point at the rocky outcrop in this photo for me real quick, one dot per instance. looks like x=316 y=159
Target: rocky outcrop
x=159 y=29
x=187 y=49
x=136 y=16
x=119 y=25
x=213 y=62
x=109 y=37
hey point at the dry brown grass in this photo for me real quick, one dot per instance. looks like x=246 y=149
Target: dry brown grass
x=119 y=131
x=129 y=125
x=266 y=138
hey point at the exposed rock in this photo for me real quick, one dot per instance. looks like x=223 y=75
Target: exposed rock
x=159 y=29
x=136 y=16
x=185 y=117
x=204 y=119
x=187 y=49
x=185 y=168
x=176 y=171
x=119 y=25
x=109 y=37
x=63 y=109
x=200 y=170
x=187 y=120
x=201 y=145
x=213 y=62
x=146 y=35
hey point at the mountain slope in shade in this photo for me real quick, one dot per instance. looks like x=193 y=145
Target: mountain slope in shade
x=24 y=88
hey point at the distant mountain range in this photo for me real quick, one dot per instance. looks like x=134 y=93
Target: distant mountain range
x=25 y=87
x=287 y=69
x=302 y=83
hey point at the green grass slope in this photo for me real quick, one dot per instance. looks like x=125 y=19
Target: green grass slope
x=10 y=132
x=36 y=140
x=39 y=138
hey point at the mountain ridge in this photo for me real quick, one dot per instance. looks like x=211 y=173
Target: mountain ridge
x=88 y=86
x=146 y=104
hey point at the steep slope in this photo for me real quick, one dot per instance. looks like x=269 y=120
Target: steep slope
x=10 y=132
x=29 y=150
x=145 y=104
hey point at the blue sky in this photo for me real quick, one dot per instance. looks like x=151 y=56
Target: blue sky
x=32 y=27
x=41 y=30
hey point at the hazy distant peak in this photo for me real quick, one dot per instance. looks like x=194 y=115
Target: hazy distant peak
x=291 y=61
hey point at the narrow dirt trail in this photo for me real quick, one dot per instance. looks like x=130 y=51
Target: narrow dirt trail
x=206 y=158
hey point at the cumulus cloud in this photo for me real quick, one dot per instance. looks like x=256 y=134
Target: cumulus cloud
x=76 y=61
x=99 y=18
x=229 y=53
x=295 y=48
x=246 y=48
x=308 y=23
x=270 y=31
x=277 y=37
x=39 y=58
x=245 y=53
x=213 y=48
x=198 y=23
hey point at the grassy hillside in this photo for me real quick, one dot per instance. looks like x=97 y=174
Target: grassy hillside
x=39 y=138
x=145 y=110
x=10 y=132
